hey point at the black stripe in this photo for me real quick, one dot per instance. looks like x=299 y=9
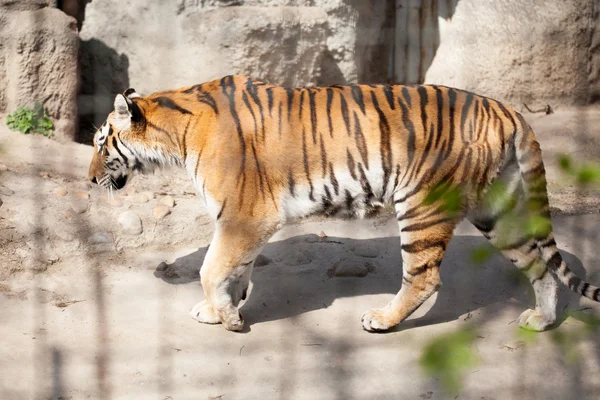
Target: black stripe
x=357 y=95
x=584 y=288
x=385 y=146
x=329 y=101
x=306 y=166
x=596 y=295
x=247 y=103
x=323 y=156
x=166 y=102
x=451 y=112
x=185 y=132
x=574 y=283
x=290 y=99
x=270 y=98
x=554 y=262
x=280 y=118
x=420 y=245
x=258 y=170
x=114 y=143
x=419 y=226
x=206 y=98
x=519 y=243
x=389 y=95
x=301 y=102
x=222 y=208
x=253 y=90
x=313 y=114
x=291 y=183
x=406 y=96
x=345 y=116
x=440 y=117
x=422 y=268
x=229 y=90
x=348 y=199
x=351 y=164
x=364 y=183
x=409 y=126
x=361 y=143
x=333 y=179
x=423 y=99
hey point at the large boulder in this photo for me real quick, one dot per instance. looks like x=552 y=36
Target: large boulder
x=520 y=51
x=155 y=45
x=38 y=62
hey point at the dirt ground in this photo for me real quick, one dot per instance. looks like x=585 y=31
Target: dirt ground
x=92 y=308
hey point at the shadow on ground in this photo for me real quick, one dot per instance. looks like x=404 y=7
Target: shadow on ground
x=296 y=274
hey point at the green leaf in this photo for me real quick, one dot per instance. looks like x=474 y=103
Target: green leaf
x=448 y=356
x=565 y=163
x=589 y=173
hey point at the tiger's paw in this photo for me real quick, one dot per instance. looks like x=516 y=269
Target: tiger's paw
x=205 y=313
x=533 y=320
x=233 y=321
x=377 y=320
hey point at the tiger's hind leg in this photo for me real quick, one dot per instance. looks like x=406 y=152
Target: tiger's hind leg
x=226 y=271
x=424 y=237
x=521 y=249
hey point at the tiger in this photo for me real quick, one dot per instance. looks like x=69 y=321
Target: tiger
x=262 y=156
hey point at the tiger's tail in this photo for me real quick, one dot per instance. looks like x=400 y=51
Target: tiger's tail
x=533 y=177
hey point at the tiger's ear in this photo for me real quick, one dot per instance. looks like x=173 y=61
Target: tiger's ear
x=126 y=109
x=131 y=93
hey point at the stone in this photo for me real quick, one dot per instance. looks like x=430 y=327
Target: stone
x=161 y=211
x=44 y=174
x=168 y=201
x=61 y=192
x=82 y=195
x=139 y=198
x=78 y=205
x=1 y=202
x=530 y=52
x=6 y=191
x=39 y=62
x=131 y=222
x=280 y=44
x=261 y=261
x=100 y=237
x=65 y=231
x=364 y=250
x=26 y=5
x=3 y=168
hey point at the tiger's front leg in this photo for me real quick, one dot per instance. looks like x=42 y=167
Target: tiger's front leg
x=225 y=273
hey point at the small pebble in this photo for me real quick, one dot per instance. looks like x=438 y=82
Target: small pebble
x=365 y=251
x=161 y=211
x=82 y=195
x=61 y=192
x=139 y=198
x=6 y=191
x=78 y=205
x=131 y=222
x=168 y=201
x=100 y=237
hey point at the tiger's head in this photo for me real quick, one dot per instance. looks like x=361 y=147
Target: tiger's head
x=115 y=158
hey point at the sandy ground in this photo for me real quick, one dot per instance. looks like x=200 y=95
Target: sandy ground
x=89 y=310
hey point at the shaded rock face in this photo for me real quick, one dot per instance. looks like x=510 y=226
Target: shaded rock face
x=38 y=62
x=534 y=52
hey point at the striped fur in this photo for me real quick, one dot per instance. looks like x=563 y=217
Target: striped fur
x=262 y=155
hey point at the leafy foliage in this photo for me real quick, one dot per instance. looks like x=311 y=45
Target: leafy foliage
x=30 y=120
x=448 y=356
x=587 y=173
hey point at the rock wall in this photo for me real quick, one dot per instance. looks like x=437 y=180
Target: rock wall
x=521 y=51
x=38 y=62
